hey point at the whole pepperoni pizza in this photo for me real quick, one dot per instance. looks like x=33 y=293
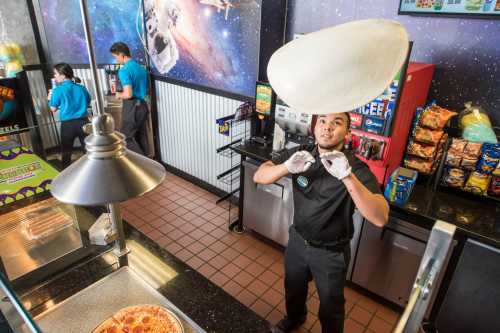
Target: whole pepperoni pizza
x=141 y=319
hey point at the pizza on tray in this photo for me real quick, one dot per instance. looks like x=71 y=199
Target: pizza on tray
x=141 y=319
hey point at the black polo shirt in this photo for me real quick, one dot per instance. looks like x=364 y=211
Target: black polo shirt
x=323 y=208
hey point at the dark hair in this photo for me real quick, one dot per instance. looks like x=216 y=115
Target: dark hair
x=348 y=123
x=120 y=48
x=66 y=70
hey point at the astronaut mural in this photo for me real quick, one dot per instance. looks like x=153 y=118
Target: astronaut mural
x=213 y=43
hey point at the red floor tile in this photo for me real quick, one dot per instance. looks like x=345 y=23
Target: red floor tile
x=360 y=315
x=274 y=317
x=388 y=315
x=350 y=326
x=257 y=288
x=265 y=260
x=207 y=270
x=195 y=262
x=261 y=308
x=218 y=262
x=184 y=255
x=243 y=278
x=206 y=254
x=380 y=326
x=219 y=279
x=253 y=253
x=232 y=288
x=173 y=248
x=207 y=239
x=231 y=270
x=230 y=254
x=242 y=261
x=186 y=241
x=272 y=297
x=246 y=297
x=218 y=247
x=269 y=278
x=255 y=269
x=196 y=247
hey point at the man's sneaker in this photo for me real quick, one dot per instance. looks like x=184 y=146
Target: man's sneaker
x=286 y=325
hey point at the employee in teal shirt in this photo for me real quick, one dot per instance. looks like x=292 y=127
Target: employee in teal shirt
x=134 y=81
x=71 y=100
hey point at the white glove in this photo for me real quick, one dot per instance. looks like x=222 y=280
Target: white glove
x=336 y=164
x=299 y=162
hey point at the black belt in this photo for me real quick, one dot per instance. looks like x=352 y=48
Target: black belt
x=336 y=246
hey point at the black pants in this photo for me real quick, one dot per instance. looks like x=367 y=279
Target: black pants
x=71 y=129
x=134 y=117
x=328 y=269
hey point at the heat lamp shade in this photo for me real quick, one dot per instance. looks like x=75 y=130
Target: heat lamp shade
x=91 y=181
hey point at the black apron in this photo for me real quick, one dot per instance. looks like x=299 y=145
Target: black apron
x=134 y=125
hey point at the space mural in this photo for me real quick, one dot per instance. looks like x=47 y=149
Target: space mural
x=111 y=21
x=212 y=43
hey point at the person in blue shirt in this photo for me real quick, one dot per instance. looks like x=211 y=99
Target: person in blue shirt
x=71 y=100
x=134 y=81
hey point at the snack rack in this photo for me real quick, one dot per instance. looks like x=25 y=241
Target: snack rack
x=236 y=128
x=444 y=172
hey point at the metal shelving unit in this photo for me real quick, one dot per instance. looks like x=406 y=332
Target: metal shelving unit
x=237 y=130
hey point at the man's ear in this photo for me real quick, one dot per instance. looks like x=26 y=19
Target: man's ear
x=347 y=138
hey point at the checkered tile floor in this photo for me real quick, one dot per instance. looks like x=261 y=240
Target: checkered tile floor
x=184 y=219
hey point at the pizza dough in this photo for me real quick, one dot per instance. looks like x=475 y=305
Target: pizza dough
x=141 y=319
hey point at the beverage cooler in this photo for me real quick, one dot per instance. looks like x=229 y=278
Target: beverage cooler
x=380 y=128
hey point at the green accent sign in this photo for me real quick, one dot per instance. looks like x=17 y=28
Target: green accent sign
x=23 y=174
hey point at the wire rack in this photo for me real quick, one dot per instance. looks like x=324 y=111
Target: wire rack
x=236 y=131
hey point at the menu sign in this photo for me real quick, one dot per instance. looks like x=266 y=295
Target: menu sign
x=450 y=7
x=22 y=174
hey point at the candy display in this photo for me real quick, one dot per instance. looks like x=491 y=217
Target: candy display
x=400 y=185
x=489 y=158
x=436 y=117
x=476 y=124
x=478 y=183
x=454 y=177
x=12 y=58
x=425 y=135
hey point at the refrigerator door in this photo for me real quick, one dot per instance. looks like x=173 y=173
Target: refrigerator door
x=388 y=259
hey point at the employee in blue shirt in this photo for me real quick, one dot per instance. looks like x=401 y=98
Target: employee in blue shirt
x=134 y=81
x=71 y=99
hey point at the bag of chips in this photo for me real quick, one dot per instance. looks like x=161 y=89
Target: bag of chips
x=455 y=152
x=477 y=183
x=489 y=158
x=495 y=186
x=435 y=117
x=472 y=150
x=420 y=150
x=418 y=164
x=454 y=177
x=426 y=135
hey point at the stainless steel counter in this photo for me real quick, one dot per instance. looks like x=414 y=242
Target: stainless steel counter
x=85 y=310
